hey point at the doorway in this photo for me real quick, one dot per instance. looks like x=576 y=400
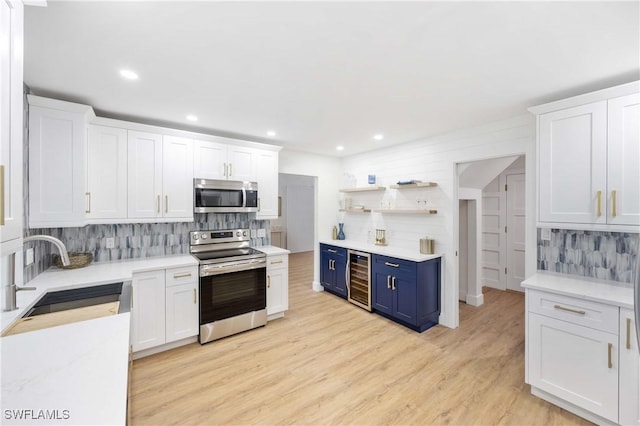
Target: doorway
x=294 y=229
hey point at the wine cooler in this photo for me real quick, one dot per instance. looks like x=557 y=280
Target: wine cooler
x=359 y=279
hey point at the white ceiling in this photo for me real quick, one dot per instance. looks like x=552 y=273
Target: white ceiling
x=323 y=74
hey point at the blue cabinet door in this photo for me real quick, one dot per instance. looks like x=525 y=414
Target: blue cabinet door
x=405 y=304
x=340 y=275
x=327 y=276
x=381 y=293
x=333 y=266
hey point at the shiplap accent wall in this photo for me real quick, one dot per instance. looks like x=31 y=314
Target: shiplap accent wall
x=434 y=159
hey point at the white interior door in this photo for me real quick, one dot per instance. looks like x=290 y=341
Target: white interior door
x=463 y=256
x=516 y=214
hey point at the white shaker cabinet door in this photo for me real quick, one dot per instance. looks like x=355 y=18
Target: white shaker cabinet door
x=106 y=173
x=572 y=164
x=148 y=312
x=267 y=178
x=182 y=311
x=144 y=167
x=575 y=363
x=241 y=164
x=210 y=160
x=277 y=284
x=177 y=177
x=629 y=370
x=624 y=160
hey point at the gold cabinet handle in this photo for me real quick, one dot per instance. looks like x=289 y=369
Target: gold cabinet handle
x=230 y=169
x=182 y=275
x=393 y=283
x=614 y=209
x=158 y=204
x=1 y=195
x=564 y=308
x=274 y=262
x=388 y=281
x=88 y=210
x=609 y=350
x=166 y=204
x=599 y=203
x=268 y=281
x=628 y=333
x=194 y=297
x=394 y=265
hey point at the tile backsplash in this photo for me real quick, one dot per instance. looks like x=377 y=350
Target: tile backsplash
x=136 y=240
x=596 y=254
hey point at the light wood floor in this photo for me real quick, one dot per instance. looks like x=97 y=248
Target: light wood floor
x=330 y=362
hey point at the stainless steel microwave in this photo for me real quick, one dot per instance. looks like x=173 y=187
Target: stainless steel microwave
x=224 y=196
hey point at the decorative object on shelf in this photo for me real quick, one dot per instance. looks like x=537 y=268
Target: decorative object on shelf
x=381 y=240
x=408 y=182
x=371 y=179
x=341 y=231
x=334 y=235
x=77 y=260
x=426 y=245
x=412 y=184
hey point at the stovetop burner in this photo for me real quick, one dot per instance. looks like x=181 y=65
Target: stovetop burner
x=227 y=254
x=222 y=246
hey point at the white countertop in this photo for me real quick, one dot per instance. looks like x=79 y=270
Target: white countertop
x=272 y=250
x=400 y=253
x=78 y=372
x=94 y=274
x=611 y=293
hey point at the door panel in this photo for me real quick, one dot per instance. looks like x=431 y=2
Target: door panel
x=515 y=231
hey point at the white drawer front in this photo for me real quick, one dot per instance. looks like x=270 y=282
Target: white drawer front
x=279 y=261
x=177 y=276
x=578 y=311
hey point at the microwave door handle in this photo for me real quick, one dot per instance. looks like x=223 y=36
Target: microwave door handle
x=244 y=197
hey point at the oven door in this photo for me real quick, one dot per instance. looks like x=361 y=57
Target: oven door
x=231 y=294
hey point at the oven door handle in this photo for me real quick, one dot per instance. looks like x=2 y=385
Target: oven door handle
x=208 y=270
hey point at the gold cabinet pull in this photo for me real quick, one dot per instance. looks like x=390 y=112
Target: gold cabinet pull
x=274 y=262
x=609 y=350
x=176 y=276
x=628 y=333
x=88 y=210
x=388 y=281
x=268 y=281
x=394 y=265
x=166 y=204
x=1 y=195
x=194 y=296
x=564 y=308
x=158 y=204
x=230 y=169
x=393 y=283
x=614 y=209
x=599 y=203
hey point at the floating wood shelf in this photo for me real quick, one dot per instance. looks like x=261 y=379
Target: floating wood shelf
x=408 y=211
x=364 y=189
x=356 y=210
x=414 y=185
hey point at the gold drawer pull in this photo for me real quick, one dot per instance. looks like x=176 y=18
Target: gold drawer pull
x=182 y=275
x=273 y=262
x=564 y=308
x=395 y=265
x=614 y=208
x=628 y=333
x=610 y=349
x=599 y=203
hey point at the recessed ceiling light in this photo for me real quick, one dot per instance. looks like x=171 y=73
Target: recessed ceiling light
x=192 y=117
x=340 y=147
x=378 y=137
x=271 y=133
x=128 y=74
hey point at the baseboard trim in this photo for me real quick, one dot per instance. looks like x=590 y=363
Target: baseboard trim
x=316 y=286
x=475 y=299
x=165 y=347
x=594 y=418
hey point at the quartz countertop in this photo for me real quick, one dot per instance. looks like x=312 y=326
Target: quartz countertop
x=400 y=253
x=611 y=293
x=272 y=250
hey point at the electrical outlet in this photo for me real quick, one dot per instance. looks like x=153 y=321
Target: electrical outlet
x=28 y=256
x=545 y=234
x=262 y=233
x=110 y=242
x=254 y=233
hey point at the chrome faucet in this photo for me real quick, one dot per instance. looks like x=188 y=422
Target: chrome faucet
x=64 y=256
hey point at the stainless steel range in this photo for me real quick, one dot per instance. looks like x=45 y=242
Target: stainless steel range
x=233 y=293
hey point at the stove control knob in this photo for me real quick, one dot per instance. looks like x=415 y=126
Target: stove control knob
x=238 y=233
x=195 y=236
x=203 y=236
x=244 y=233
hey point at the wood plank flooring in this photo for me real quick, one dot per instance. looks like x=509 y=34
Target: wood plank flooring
x=328 y=362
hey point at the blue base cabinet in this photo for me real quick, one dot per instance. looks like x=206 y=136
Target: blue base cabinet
x=406 y=292
x=333 y=266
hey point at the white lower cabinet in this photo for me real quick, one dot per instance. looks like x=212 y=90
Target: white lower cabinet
x=629 y=370
x=165 y=307
x=277 y=285
x=583 y=356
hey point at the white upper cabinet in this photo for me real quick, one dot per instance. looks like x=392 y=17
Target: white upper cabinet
x=11 y=67
x=623 y=156
x=57 y=163
x=267 y=178
x=145 y=175
x=106 y=173
x=588 y=156
x=219 y=160
x=177 y=177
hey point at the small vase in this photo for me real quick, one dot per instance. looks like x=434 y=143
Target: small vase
x=341 y=231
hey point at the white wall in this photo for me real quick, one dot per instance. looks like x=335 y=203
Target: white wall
x=327 y=172
x=435 y=159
